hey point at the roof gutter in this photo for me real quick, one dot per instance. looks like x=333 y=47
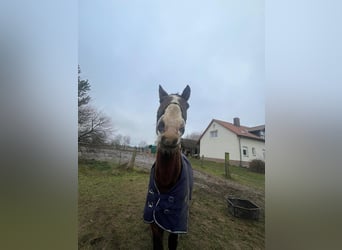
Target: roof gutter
x=252 y=138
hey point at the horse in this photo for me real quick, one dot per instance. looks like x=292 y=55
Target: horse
x=171 y=177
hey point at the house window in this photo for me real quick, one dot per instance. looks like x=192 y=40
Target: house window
x=213 y=133
x=262 y=134
x=253 y=152
x=245 y=151
x=263 y=153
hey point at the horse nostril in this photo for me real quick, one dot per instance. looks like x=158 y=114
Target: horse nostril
x=169 y=141
x=161 y=126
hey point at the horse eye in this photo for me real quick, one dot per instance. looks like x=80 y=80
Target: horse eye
x=182 y=130
x=161 y=126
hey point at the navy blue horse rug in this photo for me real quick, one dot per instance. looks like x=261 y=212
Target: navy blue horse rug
x=170 y=211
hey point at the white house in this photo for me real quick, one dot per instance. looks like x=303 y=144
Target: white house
x=242 y=143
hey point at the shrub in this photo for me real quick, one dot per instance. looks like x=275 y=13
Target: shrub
x=257 y=166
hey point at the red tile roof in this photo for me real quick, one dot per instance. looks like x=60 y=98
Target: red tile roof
x=260 y=127
x=240 y=131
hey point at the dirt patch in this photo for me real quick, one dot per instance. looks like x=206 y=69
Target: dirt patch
x=228 y=188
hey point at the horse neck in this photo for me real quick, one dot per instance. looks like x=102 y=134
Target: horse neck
x=168 y=169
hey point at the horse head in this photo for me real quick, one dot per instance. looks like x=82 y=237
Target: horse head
x=171 y=118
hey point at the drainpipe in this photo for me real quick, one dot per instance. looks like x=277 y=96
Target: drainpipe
x=240 y=151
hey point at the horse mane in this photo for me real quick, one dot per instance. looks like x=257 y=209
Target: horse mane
x=168 y=168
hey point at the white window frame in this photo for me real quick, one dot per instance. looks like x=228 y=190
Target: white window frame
x=213 y=133
x=245 y=148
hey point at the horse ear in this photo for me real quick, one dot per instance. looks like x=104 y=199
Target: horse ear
x=186 y=93
x=162 y=93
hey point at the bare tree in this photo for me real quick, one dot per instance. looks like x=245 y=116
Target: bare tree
x=126 y=140
x=142 y=144
x=93 y=125
x=117 y=141
x=193 y=136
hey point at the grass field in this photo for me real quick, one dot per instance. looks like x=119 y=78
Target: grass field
x=111 y=201
x=238 y=174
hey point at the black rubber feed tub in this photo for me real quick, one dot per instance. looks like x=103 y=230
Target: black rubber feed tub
x=242 y=208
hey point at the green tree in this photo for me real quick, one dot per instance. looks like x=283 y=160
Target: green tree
x=94 y=127
x=83 y=89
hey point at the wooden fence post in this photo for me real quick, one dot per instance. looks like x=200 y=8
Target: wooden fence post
x=132 y=161
x=226 y=165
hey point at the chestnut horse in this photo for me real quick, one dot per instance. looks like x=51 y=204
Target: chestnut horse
x=171 y=179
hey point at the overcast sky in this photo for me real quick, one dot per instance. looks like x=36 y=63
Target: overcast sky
x=128 y=48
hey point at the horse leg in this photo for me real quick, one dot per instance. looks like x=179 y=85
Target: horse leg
x=173 y=241
x=157 y=237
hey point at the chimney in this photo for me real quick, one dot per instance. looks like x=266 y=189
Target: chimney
x=237 y=121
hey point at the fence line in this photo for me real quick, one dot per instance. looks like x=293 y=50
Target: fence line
x=120 y=156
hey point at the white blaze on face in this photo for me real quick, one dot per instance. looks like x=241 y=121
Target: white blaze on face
x=171 y=125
